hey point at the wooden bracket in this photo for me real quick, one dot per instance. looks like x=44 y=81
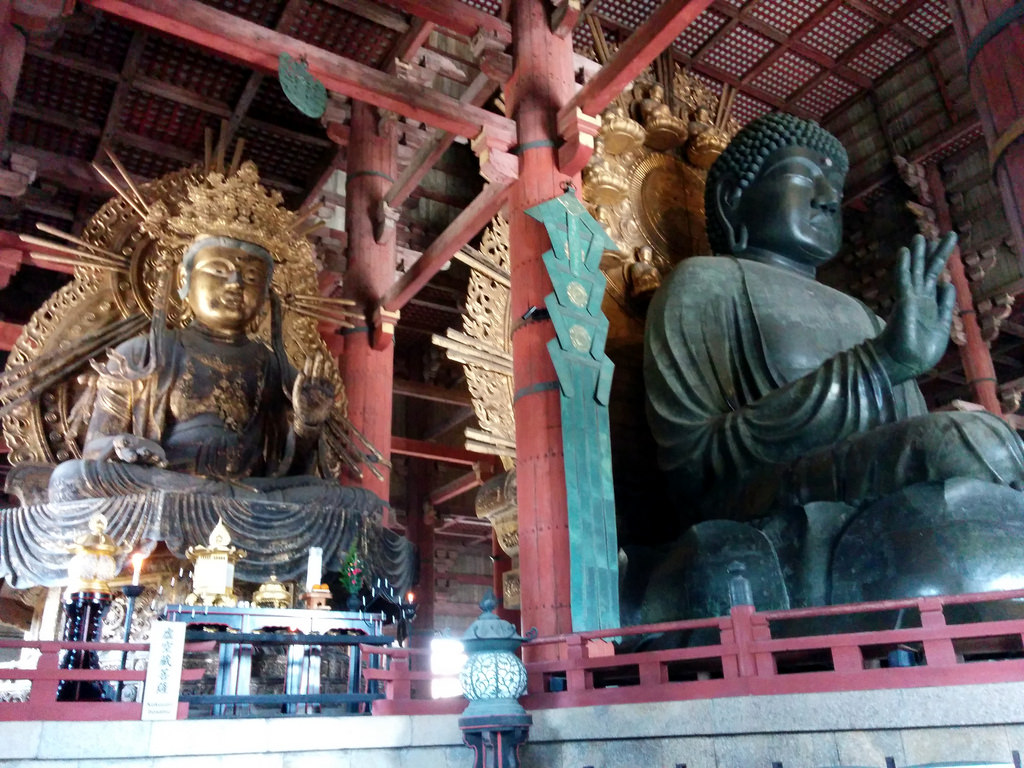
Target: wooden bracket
x=564 y=16
x=497 y=65
x=338 y=133
x=497 y=165
x=382 y=328
x=577 y=131
x=385 y=219
x=491 y=56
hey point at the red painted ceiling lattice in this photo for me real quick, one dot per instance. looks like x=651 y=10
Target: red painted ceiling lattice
x=192 y=69
x=265 y=12
x=47 y=85
x=838 y=31
x=97 y=39
x=785 y=15
x=343 y=33
x=786 y=75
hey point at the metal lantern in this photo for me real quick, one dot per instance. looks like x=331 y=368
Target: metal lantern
x=213 y=569
x=494 y=724
x=272 y=594
x=93 y=559
x=93 y=562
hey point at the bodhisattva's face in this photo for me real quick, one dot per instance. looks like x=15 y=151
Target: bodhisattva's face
x=792 y=209
x=227 y=289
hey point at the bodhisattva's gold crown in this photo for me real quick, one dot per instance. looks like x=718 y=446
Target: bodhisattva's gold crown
x=237 y=206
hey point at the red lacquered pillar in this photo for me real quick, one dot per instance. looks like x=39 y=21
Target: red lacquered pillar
x=974 y=354
x=991 y=34
x=367 y=364
x=541 y=83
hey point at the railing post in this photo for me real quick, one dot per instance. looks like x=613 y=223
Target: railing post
x=727 y=636
x=45 y=691
x=576 y=653
x=760 y=631
x=938 y=651
x=400 y=685
x=743 y=634
x=847 y=658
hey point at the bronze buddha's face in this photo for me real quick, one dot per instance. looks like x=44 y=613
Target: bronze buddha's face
x=227 y=288
x=792 y=209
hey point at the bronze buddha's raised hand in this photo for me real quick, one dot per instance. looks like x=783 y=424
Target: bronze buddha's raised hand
x=918 y=329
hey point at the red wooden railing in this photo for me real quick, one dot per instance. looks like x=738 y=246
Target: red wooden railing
x=42 y=701
x=749 y=657
x=744 y=653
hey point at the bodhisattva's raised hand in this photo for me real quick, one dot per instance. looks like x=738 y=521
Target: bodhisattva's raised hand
x=918 y=329
x=312 y=395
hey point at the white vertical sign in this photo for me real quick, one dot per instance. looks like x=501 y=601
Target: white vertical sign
x=163 y=677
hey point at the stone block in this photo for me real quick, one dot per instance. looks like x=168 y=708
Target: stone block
x=693 y=752
x=435 y=731
x=239 y=760
x=331 y=758
x=207 y=737
x=870 y=747
x=379 y=758
x=20 y=739
x=968 y=745
x=992 y=704
x=801 y=750
x=624 y=721
x=81 y=740
x=1015 y=736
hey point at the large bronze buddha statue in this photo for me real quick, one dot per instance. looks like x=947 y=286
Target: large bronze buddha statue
x=786 y=413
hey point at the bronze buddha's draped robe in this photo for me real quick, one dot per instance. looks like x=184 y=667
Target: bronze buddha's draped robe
x=762 y=394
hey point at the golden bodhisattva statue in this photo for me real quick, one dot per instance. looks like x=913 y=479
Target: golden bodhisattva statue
x=206 y=416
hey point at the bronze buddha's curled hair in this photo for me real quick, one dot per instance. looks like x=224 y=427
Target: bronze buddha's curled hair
x=748 y=150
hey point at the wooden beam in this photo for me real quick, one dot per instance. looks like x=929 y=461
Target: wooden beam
x=252 y=85
x=430 y=151
x=449 y=454
x=432 y=392
x=14 y=253
x=74 y=124
x=457 y=16
x=409 y=43
x=258 y=47
x=462 y=484
x=76 y=175
x=182 y=96
x=124 y=85
x=464 y=227
x=372 y=11
x=645 y=44
x=74 y=62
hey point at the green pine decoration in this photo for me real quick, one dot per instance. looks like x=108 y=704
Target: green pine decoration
x=585 y=377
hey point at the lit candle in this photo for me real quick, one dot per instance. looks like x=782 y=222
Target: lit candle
x=137 y=559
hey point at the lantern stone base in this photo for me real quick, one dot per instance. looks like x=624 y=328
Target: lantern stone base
x=495 y=741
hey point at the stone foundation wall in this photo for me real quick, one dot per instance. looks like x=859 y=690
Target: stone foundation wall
x=981 y=723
